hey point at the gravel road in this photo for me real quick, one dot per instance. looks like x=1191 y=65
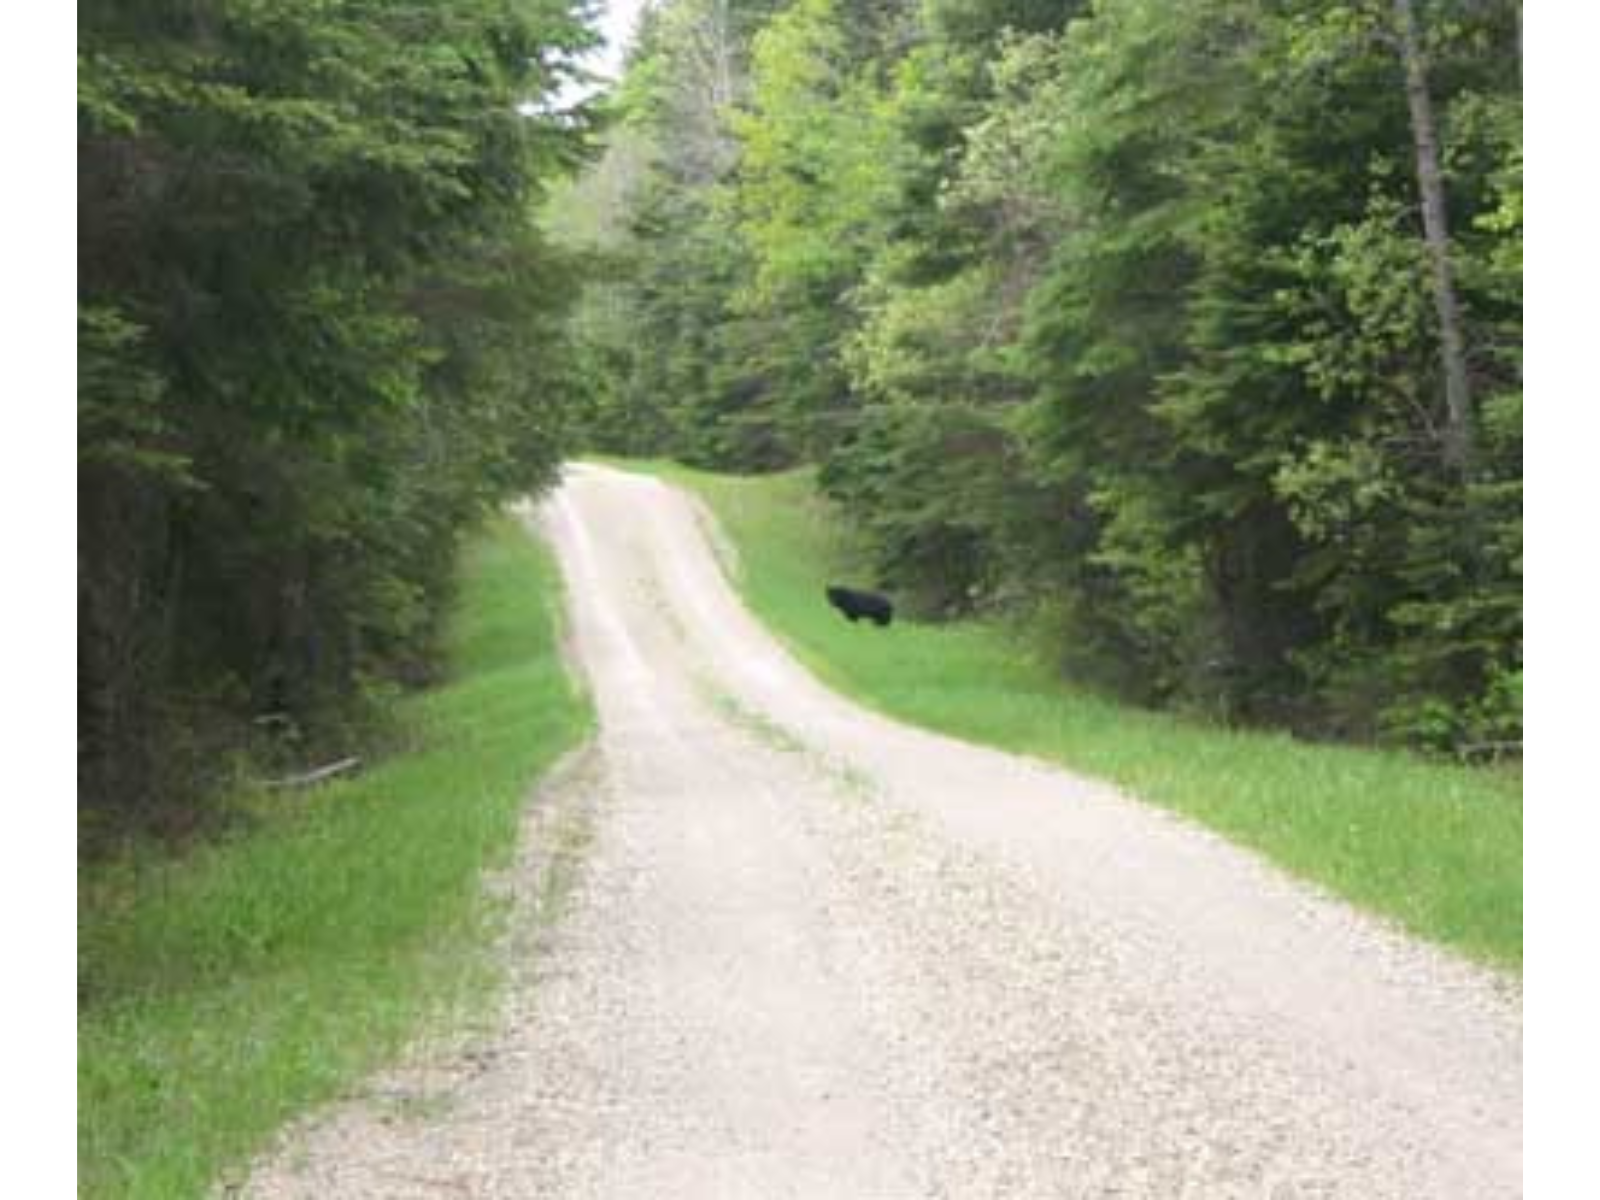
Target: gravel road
x=813 y=953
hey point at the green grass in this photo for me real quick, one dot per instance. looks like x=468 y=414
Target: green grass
x=226 y=990
x=1436 y=847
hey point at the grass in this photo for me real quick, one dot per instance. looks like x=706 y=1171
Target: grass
x=224 y=991
x=1434 y=846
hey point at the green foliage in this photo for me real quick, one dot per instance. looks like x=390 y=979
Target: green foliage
x=924 y=481
x=814 y=158
x=1120 y=316
x=670 y=362
x=319 y=335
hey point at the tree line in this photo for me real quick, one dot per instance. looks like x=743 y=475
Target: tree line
x=1188 y=335
x=320 y=332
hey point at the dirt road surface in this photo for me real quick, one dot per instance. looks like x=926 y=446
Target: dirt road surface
x=814 y=953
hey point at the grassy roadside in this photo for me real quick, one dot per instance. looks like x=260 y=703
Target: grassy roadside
x=1436 y=847
x=223 y=992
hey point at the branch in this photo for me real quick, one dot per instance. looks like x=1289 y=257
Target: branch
x=316 y=776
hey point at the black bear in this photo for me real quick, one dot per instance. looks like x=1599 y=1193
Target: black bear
x=856 y=605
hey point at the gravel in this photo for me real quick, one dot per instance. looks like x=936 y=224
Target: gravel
x=810 y=952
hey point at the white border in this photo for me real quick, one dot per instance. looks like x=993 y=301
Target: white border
x=1562 y=1019
x=38 y=894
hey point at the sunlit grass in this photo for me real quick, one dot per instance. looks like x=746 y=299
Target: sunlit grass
x=226 y=990
x=1435 y=846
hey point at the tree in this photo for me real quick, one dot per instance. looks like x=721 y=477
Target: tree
x=1130 y=320
x=319 y=335
x=1430 y=182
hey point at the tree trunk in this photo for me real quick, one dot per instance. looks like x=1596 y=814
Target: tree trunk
x=1430 y=181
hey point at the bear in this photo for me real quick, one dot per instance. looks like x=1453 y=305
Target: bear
x=856 y=604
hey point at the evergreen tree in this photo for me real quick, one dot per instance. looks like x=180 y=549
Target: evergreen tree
x=319 y=335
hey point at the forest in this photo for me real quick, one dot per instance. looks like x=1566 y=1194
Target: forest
x=1184 y=337
x=319 y=337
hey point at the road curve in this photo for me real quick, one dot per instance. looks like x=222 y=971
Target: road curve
x=814 y=953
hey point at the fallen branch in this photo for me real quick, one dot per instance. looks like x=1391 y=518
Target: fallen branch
x=1496 y=749
x=317 y=776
